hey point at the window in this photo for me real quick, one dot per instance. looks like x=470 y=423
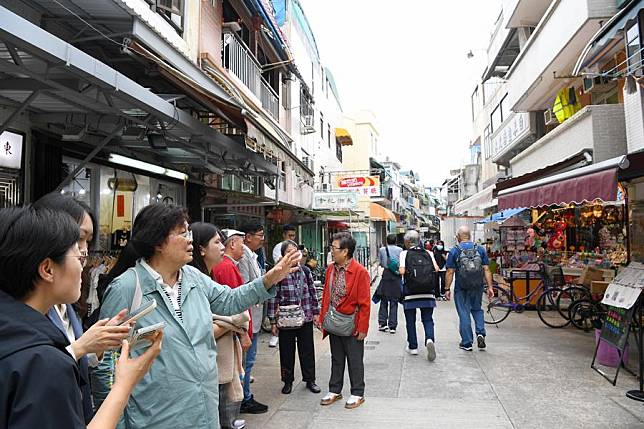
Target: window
x=171 y=11
x=476 y=103
x=328 y=134
x=321 y=126
x=338 y=150
x=496 y=118
x=633 y=50
x=487 y=142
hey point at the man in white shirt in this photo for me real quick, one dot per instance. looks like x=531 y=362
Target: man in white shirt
x=288 y=234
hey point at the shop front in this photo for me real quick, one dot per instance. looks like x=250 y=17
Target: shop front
x=11 y=168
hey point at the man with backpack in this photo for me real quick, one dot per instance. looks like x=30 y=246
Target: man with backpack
x=418 y=268
x=470 y=263
x=389 y=287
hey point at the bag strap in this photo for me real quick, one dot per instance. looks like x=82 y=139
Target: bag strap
x=388 y=255
x=138 y=293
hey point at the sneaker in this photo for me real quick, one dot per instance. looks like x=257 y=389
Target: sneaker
x=354 y=402
x=239 y=424
x=431 y=350
x=480 y=341
x=383 y=328
x=392 y=331
x=253 y=407
x=273 y=341
x=464 y=347
x=412 y=352
x=330 y=398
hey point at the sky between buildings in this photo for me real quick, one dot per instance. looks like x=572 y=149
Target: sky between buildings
x=406 y=60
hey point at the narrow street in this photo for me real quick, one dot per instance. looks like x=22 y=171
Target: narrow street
x=530 y=376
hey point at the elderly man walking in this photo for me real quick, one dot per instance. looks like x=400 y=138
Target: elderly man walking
x=389 y=288
x=470 y=263
x=418 y=268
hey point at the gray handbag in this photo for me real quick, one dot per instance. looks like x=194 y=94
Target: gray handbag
x=336 y=323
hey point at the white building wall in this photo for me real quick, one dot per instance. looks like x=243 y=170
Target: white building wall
x=634 y=118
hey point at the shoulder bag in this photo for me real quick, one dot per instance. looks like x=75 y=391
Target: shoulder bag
x=392 y=264
x=336 y=323
x=291 y=316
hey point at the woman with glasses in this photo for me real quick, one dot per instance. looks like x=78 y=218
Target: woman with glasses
x=87 y=348
x=40 y=266
x=182 y=389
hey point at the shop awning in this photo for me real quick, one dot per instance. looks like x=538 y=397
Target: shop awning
x=608 y=36
x=343 y=137
x=597 y=181
x=379 y=213
x=477 y=202
x=502 y=216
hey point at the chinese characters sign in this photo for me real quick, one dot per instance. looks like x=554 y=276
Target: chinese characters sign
x=335 y=200
x=11 y=150
x=514 y=130
x=362 y=185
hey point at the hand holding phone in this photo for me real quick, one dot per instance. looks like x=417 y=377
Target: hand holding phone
x=131 y=318
x=143 y=337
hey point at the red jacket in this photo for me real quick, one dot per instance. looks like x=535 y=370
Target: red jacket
x=226 y=273
x=358 y=295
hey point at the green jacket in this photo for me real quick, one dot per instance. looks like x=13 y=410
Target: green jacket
x=181 y=389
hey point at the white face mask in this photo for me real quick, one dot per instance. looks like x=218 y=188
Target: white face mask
x=439 y=247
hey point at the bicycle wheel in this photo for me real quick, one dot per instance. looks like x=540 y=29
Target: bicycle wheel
x=568 y=296
x=548 y=310
x=584 y=314
x=497 y=309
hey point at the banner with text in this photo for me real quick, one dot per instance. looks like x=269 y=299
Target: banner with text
x=362 y=185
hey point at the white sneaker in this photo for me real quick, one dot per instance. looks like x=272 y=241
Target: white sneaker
x=392 y=331
x=273 y=341
x=354 y=402
x=413 y=352
x=431 y=350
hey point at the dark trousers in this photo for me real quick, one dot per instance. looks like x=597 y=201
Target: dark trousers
x=347 y=350
x=388 y=312
x=441 y=282
x=303 y=337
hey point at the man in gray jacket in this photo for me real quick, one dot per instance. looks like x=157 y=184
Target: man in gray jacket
x=250 y=270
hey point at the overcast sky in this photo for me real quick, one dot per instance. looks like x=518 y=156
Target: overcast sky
x=406 y=60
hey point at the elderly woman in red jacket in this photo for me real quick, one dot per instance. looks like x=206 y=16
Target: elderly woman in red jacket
x=347 y=292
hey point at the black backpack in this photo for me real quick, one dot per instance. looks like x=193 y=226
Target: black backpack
x=469 y=265
x=420 y=275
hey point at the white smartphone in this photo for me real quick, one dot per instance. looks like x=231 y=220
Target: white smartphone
x=144 y=309
x=143 y=336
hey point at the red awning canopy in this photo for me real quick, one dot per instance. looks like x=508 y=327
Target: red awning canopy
x=587 y=187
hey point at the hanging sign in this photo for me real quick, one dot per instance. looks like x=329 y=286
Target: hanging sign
x=335 y=201
x=362 y=185
x=11 y=150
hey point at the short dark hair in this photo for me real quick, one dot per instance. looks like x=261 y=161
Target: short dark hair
x=251 y=228
x=152 y=227
x=288 y=227
x=391 y=239
x=285 y=245
x=202 y=233
x=28 y=236
x=346 y=242
x=64 y=203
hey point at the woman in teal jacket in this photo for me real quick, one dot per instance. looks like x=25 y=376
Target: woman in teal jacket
x=181 y=389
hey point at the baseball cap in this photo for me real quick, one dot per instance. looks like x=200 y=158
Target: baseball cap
x=229 y=233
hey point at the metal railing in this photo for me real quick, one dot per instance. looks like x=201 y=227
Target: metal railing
x=242 y=63
x=270 y=101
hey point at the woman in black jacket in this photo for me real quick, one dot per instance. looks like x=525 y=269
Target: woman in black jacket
x=40 y=266
x=440 y=255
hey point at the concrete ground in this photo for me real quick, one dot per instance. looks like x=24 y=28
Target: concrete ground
x=530 y=376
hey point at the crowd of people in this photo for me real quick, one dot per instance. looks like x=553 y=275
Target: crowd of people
x=174 y=339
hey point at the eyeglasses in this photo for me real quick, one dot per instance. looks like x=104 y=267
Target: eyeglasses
x=187 y=234
x=257 y=234
x=336 y=247
x=82 y=258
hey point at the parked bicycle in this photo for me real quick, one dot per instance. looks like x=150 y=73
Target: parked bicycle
x=553 y=299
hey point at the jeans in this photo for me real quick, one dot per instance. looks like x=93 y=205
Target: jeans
x=428 y=323
x=346 y=350
x=302 y=338
x=469 y=302
x=388 y=312
x=248 y=366
x=441 y=283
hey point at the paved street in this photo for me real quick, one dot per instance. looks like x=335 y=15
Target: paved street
x=529 y=377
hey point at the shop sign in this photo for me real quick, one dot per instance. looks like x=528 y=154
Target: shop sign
x=626 y=288
x=335 y=200
x=514 y=130
x=423 y=229
x=363 y=185
x=11 y=150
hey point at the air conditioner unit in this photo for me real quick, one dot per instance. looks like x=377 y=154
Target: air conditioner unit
x=595 y=83
x=326 y=187
x=550 y=118
x=307 y=122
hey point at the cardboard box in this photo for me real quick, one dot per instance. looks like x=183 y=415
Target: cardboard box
x=589 y=275
x=598 y=287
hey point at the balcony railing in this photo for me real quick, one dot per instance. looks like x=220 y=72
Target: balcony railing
x=242 y=63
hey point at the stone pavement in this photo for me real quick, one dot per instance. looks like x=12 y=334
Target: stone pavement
x=530 y=376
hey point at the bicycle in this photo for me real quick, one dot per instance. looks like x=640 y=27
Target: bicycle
x=552 y=303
